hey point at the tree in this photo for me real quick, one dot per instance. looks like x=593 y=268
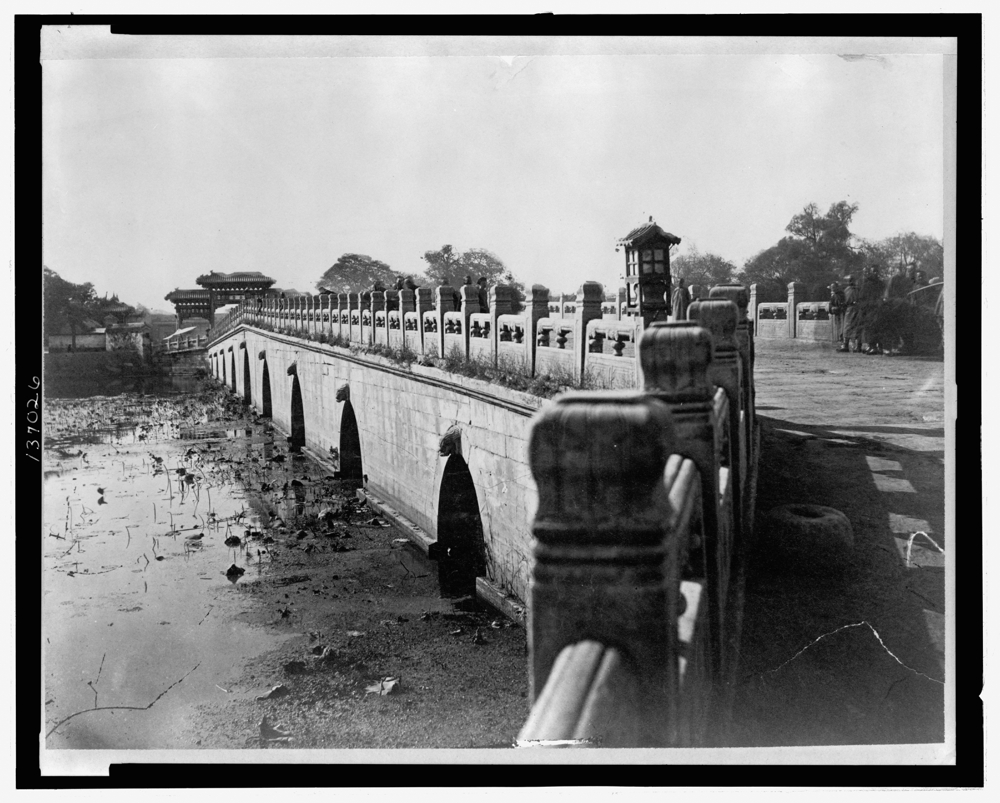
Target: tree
x=448 y=266
x=352 y=273
x=706 y=270
x=902 y=249
x=66 y=305
x=817 y=251
x=773 y=268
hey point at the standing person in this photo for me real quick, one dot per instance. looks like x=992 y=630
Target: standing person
x=680 y=300
x=901 y=282
x=896 y=316
x=870 y=310
x=837 y=305
x=852 y=329
x=484 y=295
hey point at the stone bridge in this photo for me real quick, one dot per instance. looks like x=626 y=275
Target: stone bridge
x=619 y=518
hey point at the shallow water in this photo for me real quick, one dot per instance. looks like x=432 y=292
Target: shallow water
x=133 y=600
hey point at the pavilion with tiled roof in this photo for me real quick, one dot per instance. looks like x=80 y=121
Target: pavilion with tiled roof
x=217 y=290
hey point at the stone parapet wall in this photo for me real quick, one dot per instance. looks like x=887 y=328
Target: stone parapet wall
x=550 y=335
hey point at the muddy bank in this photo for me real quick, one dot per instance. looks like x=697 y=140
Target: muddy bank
x=192 y=563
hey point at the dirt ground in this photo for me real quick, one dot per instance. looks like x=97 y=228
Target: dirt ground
x=363 y=617
x=853 y=656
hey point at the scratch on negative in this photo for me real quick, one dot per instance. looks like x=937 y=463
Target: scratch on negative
x=846 y=627
x=550 y=742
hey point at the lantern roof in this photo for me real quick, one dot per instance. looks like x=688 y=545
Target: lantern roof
x=647 y=232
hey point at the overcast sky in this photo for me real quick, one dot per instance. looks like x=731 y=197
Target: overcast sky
x=160 y=169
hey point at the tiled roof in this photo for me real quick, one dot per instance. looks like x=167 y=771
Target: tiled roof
x=187 y=295
x=648 y=231
x=239 y=278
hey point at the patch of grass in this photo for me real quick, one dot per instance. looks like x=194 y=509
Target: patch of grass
x=513 y=373
x=402 y=355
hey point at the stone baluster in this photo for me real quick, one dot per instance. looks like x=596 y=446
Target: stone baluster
x=674 y=363
x=423 y=302
x=445 y=297
x=605 y=567
x=406 y=304
x=501 y=303
x=353 y=309
x=588 y=308
x=737 y=293
x=343 y=305
x=391 y=301
x=719 y=316
x=378 y=299
x=796 y=293
x=470 y=306
x=538 y=308
x=365 y=303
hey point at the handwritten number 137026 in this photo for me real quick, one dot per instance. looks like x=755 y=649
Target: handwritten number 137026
x=33 y=419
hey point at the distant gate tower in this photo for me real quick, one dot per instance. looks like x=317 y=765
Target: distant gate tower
x=647 y=271
x=219 y=290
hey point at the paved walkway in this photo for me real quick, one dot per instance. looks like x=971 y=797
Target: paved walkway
x=859 y=658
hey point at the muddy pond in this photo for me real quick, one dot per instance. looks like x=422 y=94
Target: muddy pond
x=188 y=554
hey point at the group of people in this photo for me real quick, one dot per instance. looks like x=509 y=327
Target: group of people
x=859 y=311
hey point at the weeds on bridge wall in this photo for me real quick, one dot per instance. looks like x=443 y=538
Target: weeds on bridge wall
x=513 y=373
x=510 y=372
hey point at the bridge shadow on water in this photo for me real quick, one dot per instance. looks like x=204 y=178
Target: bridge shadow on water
x=855 y=656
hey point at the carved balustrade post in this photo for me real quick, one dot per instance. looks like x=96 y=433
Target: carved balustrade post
x=737 y=293
x=353 y=312
x=674 y=362
x=619 y=302
x=343 y=307
x=470 y=306
x=588 y=308
x=406 y=304
x=445 y=297
x=391 y=301
x=605 y=568
x=423 y=302
x=365 y=305
x=719 y=316
x=501 y=303
x=538 y=308
x=796 y=293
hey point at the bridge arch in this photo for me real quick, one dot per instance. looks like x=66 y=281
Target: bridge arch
x=298 y=437
x=247 y=382
x=232 y=372
x=461 y=545
x=265 y=391
x=351 y=467
x=222 y=361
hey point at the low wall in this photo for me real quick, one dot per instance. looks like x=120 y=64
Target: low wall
x=792 y=319
x=550 y=336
